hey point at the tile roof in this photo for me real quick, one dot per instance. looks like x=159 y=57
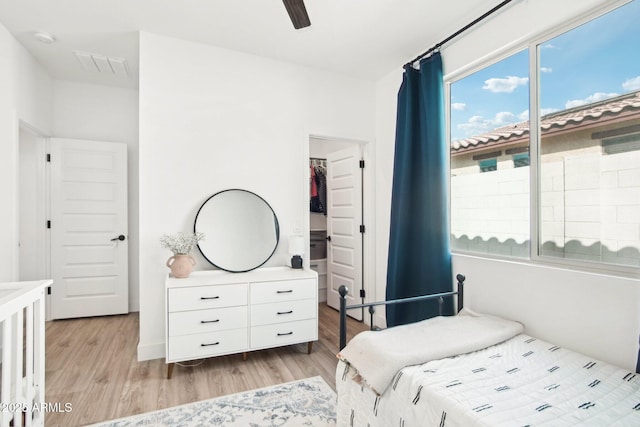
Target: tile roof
x=558 y=120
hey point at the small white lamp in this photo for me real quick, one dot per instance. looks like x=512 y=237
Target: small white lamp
x=296 y=250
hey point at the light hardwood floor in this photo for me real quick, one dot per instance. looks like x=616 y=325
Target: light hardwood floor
x=92 y=364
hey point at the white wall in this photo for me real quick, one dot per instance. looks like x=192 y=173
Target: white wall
x=614 y=323
x=386 y=108
x=595 y=314
x=25 y=90
x=212 y=119
x=321 y=147
x=104 y=113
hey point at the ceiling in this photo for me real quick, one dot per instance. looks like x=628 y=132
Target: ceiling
x=362 y=38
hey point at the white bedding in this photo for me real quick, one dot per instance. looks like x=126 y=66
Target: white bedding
x=521 y=382
x=379 y=355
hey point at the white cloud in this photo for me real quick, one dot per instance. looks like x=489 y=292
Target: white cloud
x=549 y=46
x=543 y=112
x=632 y=83
x=506 y=85
x=459 y=106
x=504 y=118
x=598 y=96
x=478 y=125
x=546 y=70
x=524 y=115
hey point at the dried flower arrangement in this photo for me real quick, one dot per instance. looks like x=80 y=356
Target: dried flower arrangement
x=181 y=243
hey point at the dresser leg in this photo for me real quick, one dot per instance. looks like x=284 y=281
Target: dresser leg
x=244 y=356
x=309 y=347
x=170 y=370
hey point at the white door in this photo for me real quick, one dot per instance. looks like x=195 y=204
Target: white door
x=89 y=243
x=344 y=212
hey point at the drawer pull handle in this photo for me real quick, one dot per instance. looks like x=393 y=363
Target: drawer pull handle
x=216 y=297
x=210 y=321
x=285 y=292
x=285 y=333
x=207 y=345
x=285 y=312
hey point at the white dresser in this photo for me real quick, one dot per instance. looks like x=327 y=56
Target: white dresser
x=213 y=313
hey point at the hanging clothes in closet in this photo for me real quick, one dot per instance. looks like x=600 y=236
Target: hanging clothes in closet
x=318 y=183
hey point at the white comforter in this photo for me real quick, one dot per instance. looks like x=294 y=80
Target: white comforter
x=521 y=382
x=378 y=355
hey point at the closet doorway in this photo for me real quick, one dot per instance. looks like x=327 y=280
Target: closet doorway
x=336 y=218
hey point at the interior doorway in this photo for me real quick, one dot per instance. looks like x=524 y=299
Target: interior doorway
x=78 y=188
x=337 y=218
x=89 y=228
x=33 y=239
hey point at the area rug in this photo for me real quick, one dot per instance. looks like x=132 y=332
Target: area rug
x=308 y=402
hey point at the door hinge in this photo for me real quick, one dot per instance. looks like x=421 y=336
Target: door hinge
x=362 y=293
x=49 y=157
x=48 y=290
x=48 y=223
x=361 y=164
x=362 y=228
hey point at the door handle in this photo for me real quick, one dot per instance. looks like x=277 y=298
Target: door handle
x=120 y=237
x=328 y=238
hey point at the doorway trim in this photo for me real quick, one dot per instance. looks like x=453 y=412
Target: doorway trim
x=42 y=208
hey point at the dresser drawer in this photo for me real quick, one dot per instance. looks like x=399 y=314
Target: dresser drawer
x=213 y=319
x=285 y=311
x=284 y=333
x=197 y=346
x=202 y=297
x=284 y=290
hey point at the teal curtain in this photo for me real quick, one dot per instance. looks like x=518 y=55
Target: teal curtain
x=419 y=260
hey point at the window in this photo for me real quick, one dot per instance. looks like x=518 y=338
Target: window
x=489 y=113
x=587 y=148
x=520 y=160
x=488 y=165
x=590 y=202
x=621 y=144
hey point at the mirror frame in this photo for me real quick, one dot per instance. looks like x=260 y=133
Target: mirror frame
x=275 y=220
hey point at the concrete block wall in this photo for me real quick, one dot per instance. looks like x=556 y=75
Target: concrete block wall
x=590 y=209
x=490 y=212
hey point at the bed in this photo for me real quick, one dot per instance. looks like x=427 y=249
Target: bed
x=484 y=372
x=22 y=353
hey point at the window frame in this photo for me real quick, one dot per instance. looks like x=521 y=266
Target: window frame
x=515 y=158
x=488 y=165
x=627 y=143
x=533 y=44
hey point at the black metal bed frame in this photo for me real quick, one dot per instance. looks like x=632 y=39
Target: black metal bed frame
x=343 y=291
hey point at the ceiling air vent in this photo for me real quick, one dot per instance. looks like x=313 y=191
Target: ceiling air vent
x=95 y=63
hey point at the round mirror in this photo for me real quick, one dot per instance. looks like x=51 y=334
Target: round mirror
x=241 y=231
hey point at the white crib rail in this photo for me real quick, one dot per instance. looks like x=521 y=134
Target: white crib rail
x=22 y=353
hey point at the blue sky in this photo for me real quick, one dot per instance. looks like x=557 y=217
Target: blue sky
x=598 y=60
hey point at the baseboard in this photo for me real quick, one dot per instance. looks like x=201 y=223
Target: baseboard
x=151 y=351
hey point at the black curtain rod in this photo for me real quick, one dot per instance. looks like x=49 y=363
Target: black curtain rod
x=457 y=33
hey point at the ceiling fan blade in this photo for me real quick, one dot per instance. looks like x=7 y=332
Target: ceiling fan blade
x=297 y=12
